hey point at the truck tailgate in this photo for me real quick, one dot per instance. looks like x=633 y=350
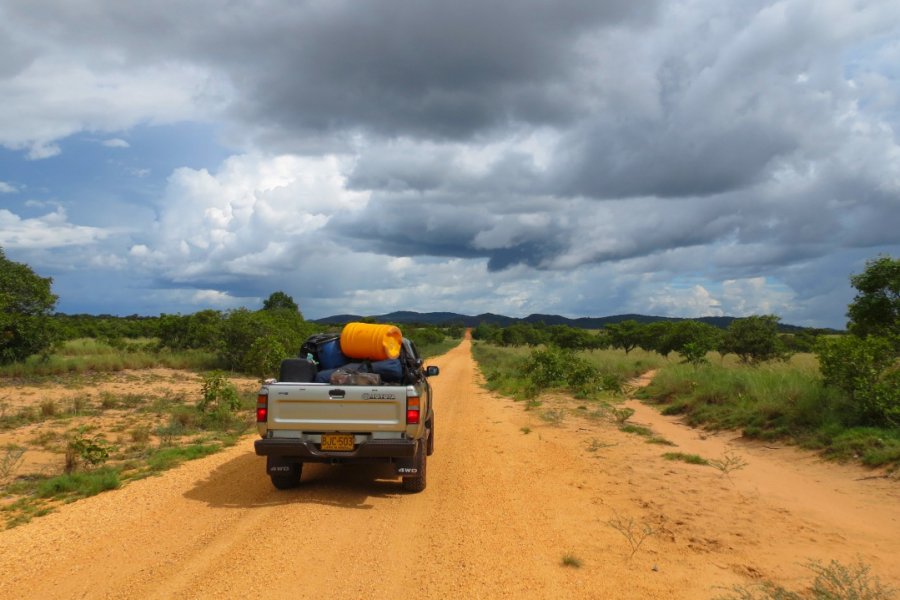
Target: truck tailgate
x=324 y=407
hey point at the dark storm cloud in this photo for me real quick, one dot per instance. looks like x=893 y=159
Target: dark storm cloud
x=389 y=67
x=665 y=160
x=730 y=139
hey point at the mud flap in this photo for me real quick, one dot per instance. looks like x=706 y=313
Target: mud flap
x=406 y=466
x=280 y=465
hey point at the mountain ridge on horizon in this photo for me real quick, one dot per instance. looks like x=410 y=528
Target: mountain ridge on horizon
x=451 y=318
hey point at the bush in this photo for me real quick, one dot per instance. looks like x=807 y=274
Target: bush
x=865 y=369
x=81 y=449
x=264 y=356
x=218 y=393
x=548 y=367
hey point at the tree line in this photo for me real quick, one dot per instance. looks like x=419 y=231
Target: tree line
x=753 y=339
x=863 y=364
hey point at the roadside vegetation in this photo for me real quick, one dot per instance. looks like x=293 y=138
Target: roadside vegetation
x=837 y=393
x=97 y=439
x=842 y=399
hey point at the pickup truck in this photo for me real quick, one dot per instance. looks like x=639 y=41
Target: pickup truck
x=300 y=422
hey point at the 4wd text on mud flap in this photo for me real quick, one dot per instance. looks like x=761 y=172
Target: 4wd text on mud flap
x=407 y=470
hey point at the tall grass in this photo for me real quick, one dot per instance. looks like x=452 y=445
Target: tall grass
x=774 y=401
x=86 y=355
x=508 y=369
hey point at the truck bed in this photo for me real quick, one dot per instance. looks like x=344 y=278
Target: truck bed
x=317 y=407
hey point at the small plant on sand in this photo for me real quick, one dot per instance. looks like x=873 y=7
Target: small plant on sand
x=728 y=463
x=140 y=434
x=82 y=449
x=526 y=430
x=621 y=414
x=633 y=532
x=570 y=560
x=10 y=458
x=48 y=408
x=597 y=445
x=554 y=416
x=660 y=440
x=693 y=459
x=218 y=393
x=834 y=581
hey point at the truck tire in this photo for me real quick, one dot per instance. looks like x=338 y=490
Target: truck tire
x=416 y=484
x=430 y=438
x=289 y=480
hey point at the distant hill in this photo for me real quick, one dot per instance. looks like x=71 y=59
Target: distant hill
x=448 y=318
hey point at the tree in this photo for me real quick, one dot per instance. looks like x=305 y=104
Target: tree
x=280 y=301
x=625 y=335
x=25 y=306
x=691 y=339
x=876 y=308
x=652 y=337
x=754 y=339
x=241 y=328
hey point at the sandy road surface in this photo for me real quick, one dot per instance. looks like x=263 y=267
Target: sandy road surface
x=501 y=509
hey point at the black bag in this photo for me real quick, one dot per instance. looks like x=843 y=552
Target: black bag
x=325 y=349
x=297 y=370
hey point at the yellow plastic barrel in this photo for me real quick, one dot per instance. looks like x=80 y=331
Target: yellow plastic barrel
x=370 y=341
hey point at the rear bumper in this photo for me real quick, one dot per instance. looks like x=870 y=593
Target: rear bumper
x=373 y=450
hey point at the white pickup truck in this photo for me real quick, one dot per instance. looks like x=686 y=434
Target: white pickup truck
x=306 y=421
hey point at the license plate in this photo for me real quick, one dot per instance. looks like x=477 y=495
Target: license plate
x=337 y=442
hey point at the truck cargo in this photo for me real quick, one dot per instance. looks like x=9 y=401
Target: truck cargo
x=368 y=409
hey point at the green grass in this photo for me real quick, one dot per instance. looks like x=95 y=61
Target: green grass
x=166 y=458
x=430 y=350
x=505 y=370
x=79 y=485
x=637 y=430
x=777 y=401
x=693 y=459
x=90 y=355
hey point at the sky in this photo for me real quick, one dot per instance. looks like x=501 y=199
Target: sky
x=576 y=157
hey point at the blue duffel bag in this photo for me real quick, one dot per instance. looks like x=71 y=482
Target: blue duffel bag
x=391 y=370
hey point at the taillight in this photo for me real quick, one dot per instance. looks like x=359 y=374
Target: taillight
x=262 y=408
x=412 y=410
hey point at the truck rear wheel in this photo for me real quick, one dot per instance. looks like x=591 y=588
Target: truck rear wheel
x=291 y=479
x=417 y=484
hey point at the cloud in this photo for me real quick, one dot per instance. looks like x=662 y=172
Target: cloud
x=256 y=217
x=116 y=143
x=48 y=231
x=55 y=96
x=7 y=188
x=690 y=156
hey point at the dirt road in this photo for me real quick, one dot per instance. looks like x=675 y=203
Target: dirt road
x=502 y=509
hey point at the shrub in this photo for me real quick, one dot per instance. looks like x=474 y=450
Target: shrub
x=865 y=369
x=548 y=367
x=218 y=392
x=81 y=449
x=264 y=356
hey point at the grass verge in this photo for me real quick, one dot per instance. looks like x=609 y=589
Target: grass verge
x=783 y=401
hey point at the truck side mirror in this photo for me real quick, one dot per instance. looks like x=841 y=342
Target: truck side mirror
x=432 y=371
